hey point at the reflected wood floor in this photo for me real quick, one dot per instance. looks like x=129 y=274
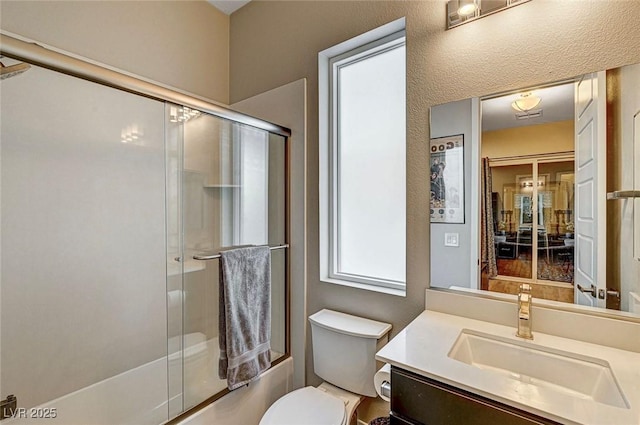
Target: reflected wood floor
x=516 y=268
x=538 y=290
x=557 y=269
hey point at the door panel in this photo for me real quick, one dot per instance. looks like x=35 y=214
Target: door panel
x=585 y=256
x=586 y=213
x=513 y=220
x=590 y=225
x=586 y=140
x=584 y=95
x=556 y=242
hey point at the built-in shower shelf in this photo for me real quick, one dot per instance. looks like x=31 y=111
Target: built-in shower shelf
x=221 y=186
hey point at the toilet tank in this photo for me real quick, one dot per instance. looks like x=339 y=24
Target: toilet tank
x=344 y=349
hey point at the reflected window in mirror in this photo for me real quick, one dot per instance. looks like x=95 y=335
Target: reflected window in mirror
x=522 y=208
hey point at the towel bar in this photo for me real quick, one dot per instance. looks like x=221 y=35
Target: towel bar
x=623 y=194
x=214 y=256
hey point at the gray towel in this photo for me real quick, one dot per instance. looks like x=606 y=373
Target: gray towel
x=245 y=314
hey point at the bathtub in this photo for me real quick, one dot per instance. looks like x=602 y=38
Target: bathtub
x=246 y=405
x=139 y=396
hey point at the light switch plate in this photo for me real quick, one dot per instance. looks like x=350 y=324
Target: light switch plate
x=451 y=239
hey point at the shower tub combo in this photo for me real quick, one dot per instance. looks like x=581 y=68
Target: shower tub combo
x=113 y=192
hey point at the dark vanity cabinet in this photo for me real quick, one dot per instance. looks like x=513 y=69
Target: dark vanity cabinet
x=419 y=400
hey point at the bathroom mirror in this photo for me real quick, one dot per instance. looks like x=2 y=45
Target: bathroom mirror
x=551 y=172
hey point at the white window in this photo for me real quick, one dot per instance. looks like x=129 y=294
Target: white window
x=363 y=161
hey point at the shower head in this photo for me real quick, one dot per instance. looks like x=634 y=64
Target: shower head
x=13 y=70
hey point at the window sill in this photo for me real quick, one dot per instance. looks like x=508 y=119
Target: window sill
x=372 y=288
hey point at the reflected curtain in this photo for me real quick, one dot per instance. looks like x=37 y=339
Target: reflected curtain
x=489 y=266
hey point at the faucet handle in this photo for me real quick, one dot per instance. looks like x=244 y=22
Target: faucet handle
x=524 y=309
x=524 y=312
x=524 y=301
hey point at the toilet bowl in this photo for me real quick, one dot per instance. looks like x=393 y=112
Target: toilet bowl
x=324 y=405
x=348 y=376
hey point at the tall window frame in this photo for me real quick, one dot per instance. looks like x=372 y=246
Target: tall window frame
x=383 y=40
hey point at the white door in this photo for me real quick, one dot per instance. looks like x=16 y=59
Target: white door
x=590 y=201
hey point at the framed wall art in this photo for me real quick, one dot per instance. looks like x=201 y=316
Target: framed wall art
x=447 y=179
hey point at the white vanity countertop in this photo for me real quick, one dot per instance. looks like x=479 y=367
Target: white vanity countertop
x=423 y=347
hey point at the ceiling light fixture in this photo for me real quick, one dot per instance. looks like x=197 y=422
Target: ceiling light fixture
x=464 y=11
x=467 y=7
x=526 y=102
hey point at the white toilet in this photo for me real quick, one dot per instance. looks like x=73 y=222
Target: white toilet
x=344 y=349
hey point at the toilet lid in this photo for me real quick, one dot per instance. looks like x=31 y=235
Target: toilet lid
x=306 y=406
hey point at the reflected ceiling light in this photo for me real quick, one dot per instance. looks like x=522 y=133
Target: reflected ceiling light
x=182 y=114
x=526 y=102
x=467 y=7
x=132 y=134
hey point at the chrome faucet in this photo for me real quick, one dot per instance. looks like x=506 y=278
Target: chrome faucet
x=524 y=312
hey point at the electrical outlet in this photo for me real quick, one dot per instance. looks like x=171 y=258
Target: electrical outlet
x=451 y=239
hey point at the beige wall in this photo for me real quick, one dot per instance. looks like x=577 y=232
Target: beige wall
x=183 y=44
x=273 y=43
x=530 y=140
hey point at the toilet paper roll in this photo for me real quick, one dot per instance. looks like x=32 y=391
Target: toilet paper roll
x=381 y=376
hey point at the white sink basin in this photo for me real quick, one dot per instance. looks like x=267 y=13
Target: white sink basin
x=569 y=373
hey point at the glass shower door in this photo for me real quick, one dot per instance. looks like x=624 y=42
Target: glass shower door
x=105 y=317
x=83 y=251
x=227 y=183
